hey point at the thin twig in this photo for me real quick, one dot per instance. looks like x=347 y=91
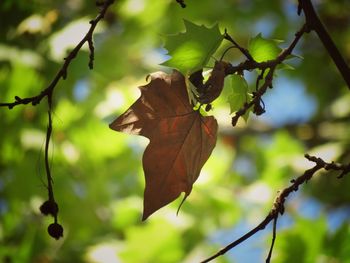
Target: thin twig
x=47 y=163
x=256 y=98
x=268 y=259
x=240 y=240
x=271 y=65
x=243 y=50
x=278 y=206
x=62 y=73
x=251 y=64
x=224 y=53
x=92 y=53
x=260 y=77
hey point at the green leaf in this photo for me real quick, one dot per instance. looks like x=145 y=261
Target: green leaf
x=285 y=66
x=239 y=95
x=191 y=51
x=263 y=49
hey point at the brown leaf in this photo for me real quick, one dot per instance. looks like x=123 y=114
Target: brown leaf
x=181 y=139
x=211 y=89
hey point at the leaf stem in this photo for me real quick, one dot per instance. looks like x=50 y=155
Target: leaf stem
x=243 y=50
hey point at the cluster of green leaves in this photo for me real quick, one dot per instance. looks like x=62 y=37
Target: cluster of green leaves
x=191 y=51
x=98 y=182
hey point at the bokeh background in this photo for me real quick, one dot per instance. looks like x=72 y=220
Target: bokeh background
x=98 y=178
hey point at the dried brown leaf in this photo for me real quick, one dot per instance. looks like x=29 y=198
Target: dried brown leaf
x=181 y=139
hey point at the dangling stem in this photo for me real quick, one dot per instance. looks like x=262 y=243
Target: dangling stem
x=47 y=163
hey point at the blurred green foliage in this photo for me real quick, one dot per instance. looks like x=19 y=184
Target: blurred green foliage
x=98 y=178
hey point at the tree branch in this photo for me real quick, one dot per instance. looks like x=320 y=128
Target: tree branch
x=315 y=24
x=62 y=73
x=256 y=99
x=278 y=206
x=250 y=64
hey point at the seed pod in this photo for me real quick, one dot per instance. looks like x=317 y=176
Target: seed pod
x=49 y=207
x=208 y=107
x=55 y=230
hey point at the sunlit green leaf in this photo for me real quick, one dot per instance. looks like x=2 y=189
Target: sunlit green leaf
x=239 y=95
x=191 y=51
x=263 y=49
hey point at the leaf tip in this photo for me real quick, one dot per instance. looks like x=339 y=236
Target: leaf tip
x=147 y=212
x=144 y=217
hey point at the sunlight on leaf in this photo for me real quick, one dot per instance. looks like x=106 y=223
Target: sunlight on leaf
x=191 y=51
x=263 y=49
